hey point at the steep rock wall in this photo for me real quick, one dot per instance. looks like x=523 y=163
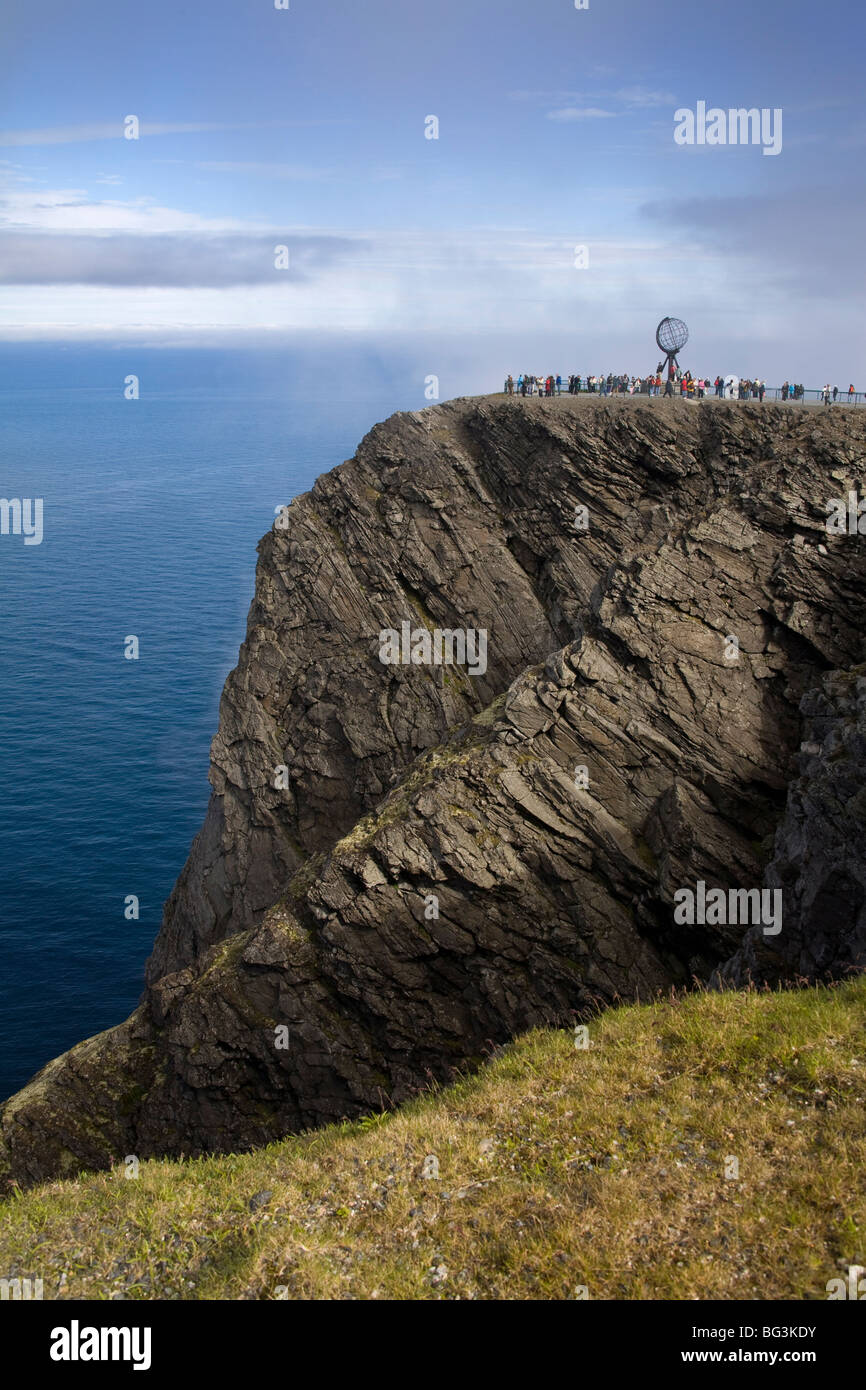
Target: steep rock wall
x=612 y=754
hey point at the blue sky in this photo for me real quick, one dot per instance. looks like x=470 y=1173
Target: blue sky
x=306 y=128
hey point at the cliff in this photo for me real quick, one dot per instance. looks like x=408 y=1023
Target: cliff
x=404 y=865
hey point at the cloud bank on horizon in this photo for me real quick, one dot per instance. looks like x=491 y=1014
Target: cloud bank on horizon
x=227 y=174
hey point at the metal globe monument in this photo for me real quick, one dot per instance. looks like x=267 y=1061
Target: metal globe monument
x=672 y=336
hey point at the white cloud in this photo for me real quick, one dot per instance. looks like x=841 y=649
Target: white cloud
x=558 y=97
x=71 y=210
x=300 y=172
x=415 y=282
x=644 y=96
x=578 y=113
x=103 y=130
x=114 y=130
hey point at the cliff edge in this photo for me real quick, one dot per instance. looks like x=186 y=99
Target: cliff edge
x=405 y=863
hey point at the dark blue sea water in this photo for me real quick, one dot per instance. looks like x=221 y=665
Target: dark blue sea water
x=152 y=512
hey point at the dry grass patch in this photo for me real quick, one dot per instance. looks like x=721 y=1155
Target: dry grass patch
x=558 y=1168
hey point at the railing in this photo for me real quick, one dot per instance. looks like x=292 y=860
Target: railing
x=770 y=393
x=843 y=398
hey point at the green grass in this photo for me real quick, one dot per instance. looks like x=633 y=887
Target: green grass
x=558 y=1168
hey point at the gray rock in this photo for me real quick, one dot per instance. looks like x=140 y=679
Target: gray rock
x=818 y=862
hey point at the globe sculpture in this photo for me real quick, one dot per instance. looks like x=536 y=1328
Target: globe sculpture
x=671 y=336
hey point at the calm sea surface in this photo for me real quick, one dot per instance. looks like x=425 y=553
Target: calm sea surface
x=152 y=512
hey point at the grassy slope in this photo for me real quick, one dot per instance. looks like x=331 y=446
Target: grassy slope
x=558 y=1168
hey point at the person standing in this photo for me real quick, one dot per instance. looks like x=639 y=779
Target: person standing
x=835 y=393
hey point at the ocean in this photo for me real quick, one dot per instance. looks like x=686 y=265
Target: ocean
x=152 y=509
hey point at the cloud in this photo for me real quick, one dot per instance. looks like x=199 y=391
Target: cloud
x=644 y=97
x=558 y=97
x=103 y=130
x=188 y=261
x=299 y=172
x=417 y=282
x=62 y=237
x=809 y=237
x=578 y=113
x=576 y=106
x=71 y=210
x=137 y=271
x=114 y=130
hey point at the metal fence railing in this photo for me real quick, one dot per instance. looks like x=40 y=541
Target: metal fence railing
x=843 y=398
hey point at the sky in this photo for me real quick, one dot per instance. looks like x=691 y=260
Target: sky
x=550 y=225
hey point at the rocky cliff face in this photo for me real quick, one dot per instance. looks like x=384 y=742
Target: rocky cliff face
x=403 y=865
x=819 y=862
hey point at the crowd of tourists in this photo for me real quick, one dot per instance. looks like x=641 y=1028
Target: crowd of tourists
x=654 y=384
